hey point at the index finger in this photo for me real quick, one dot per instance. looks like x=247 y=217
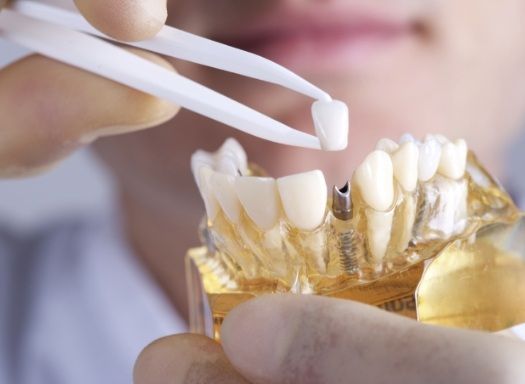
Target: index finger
x=125 y=20
x=283 y=339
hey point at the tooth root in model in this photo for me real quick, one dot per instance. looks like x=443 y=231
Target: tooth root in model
x=375 y=179
x=379 y=229
x=408 y=213
x=304 y=198
x=260 y=200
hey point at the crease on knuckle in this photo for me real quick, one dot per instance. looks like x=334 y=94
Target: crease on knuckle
x=310 y=343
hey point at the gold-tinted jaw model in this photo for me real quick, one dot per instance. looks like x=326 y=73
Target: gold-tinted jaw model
x=452 y=252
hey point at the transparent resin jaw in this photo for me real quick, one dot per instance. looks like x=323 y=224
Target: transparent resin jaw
x=287 y=235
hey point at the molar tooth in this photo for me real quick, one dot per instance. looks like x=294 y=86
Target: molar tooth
x=331 y=124
x=203 y=182
x=387 y=145
x=260 y=199
x=228 y=164
x=405 y=138
x=441 y=139
x=198 y=160
x=379 y=228
x=429 y=155
x=304 y=198
x=453 y=159
x=224 y=190
x=405 y=161
x=375 y=180
x=235 y=152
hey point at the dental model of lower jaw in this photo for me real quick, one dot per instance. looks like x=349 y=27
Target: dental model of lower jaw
x=404 y=203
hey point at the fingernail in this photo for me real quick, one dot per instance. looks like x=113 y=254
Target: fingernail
x=256 y=335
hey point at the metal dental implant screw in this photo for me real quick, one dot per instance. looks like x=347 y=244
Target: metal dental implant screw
x=346 y=236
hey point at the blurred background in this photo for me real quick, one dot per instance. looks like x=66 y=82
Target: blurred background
x=77 y=185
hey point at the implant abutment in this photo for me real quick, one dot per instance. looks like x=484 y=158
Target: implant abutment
x=342 y=202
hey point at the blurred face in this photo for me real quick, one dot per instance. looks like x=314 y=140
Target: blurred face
x=442 y=66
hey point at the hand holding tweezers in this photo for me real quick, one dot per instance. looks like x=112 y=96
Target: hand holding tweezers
x=54 y=28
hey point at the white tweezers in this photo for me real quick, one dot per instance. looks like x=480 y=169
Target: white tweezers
x=54 y=28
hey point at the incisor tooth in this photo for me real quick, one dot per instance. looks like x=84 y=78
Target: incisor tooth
x=405 y=161
x=453 y=159
x=429 y=155
x=379 y=228
x=374 y=178
x=223 y=189
x=304 y=198
x=210 y=202
x=260 y=199
x=387 y=145
x=331 y=124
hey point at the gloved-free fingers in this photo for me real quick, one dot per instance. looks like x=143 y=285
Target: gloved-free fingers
x=125 y=20
x=184 y=359
x=310 y=339
x=47 y=109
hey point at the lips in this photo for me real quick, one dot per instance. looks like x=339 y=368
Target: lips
x=325 y=38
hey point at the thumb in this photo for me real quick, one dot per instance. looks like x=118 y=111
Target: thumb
x=125 y=20
x=308 y=339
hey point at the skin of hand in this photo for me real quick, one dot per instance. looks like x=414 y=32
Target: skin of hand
x=49 y=109
x=281 y=339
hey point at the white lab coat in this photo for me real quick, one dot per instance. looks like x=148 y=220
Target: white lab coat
x=76 y=307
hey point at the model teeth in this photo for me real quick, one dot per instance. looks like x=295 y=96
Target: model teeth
x=232 y=152
x=224 y=191
x=211 y=204
x=331 y=124
x=379 y=228
x=406 y=138
x=279 y=229
x=229 y=164
x=408 y=214
x=260 y=199
x=453 y=159
x=405 y=162
x=304 y=198
x=374 y=178
x=198 y=160
x=387 y=145
x=441 y=139
x=429 y=156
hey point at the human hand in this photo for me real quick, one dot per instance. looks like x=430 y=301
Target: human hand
x=308 y=339
x=48 y=109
